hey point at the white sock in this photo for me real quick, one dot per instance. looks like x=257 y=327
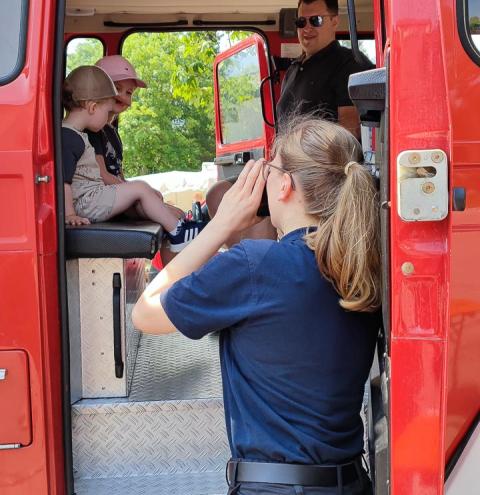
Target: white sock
x=177 y=228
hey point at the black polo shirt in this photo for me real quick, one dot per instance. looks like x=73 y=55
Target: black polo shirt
x=319 y=84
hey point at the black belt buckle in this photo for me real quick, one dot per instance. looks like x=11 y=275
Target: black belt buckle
x=231 y=470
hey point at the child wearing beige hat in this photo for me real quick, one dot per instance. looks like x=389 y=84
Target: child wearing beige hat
x=88 y=97
x=106 y=142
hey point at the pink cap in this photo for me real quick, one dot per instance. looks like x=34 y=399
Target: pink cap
x=119 y=69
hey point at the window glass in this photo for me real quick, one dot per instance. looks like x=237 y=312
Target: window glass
x=367 y=47
x=240 y=103
x=12 y=38
x=473 y=16
x=83 y=51
x=170 y=125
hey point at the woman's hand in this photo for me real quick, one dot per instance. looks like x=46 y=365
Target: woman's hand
x=238 y=209
x=76 y=220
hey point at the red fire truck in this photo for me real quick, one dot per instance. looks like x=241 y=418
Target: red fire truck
x=83 y=409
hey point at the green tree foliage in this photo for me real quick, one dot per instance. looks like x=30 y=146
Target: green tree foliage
x=83 y=51
x=475 y=25
x=171 y=122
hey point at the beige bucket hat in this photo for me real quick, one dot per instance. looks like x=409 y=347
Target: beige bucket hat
x=89 y=82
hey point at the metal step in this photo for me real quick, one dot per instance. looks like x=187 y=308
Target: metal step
x=167 y=437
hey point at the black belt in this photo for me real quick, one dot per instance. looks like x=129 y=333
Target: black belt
x=292 y=474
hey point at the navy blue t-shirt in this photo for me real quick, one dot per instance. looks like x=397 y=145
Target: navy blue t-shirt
x=108 y=144
x=73 y=148
x=294 y=363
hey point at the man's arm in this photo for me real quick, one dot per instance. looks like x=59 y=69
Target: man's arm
x=348 y=118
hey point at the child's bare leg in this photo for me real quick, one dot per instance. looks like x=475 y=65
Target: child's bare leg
x=139 y=213
x=166 y=254
x=178 y=211
x=153 y=207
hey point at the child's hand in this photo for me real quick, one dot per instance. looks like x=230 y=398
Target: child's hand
x=76 y=220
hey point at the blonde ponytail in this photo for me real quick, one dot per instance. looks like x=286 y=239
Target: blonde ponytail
x=341 y=194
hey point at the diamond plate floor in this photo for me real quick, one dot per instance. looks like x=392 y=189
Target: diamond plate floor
x=167 y=437
x=178 y=484
x=172 y=367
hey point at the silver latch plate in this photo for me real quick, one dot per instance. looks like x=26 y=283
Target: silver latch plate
x=422 y=177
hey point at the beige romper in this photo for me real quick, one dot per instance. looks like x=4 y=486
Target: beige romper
x=92 y=199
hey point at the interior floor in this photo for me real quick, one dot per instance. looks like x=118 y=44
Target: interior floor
x=168 y=436
x=172 y=484
x=173 y=367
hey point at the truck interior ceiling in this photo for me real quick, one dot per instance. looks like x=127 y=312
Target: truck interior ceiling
x=145 y=413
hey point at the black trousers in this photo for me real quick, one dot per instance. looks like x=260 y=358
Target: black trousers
x=362 y=486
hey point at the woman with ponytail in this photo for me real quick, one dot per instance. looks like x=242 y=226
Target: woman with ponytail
x=298 y=318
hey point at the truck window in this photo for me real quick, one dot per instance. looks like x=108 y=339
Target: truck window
x=170 y=125
x=468 y=18
x=83 y=51
x=240 y=104
x=13 y=26
x=367 y=47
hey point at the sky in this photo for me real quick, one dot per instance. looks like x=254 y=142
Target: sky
x=474 y=8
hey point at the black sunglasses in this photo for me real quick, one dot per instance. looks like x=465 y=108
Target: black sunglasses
x=314 y=20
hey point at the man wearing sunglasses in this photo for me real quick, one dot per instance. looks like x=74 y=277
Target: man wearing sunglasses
x=317 y=82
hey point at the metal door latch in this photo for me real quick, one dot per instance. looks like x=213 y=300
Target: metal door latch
x=42 y=178
x=3 y=374
x=422 y=177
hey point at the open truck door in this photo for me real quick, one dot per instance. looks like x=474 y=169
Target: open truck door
x=425 y=417
x=244 y=107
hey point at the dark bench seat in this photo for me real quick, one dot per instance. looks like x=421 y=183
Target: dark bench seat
x=125 y=239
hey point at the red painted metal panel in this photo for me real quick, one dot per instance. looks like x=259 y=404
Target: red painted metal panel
x=16 y=425
x=28 y=258
x=419 y=119
x=417 y=405
x=462 y=76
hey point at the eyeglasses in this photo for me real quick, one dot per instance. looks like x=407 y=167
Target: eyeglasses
x=314 y=20
x=266 y=172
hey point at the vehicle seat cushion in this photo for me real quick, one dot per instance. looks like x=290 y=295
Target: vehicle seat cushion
x=125 y=239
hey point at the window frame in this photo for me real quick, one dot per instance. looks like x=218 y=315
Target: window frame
x=80 y=37
x=464 y=31
x=252 y=43
x=22 y=45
